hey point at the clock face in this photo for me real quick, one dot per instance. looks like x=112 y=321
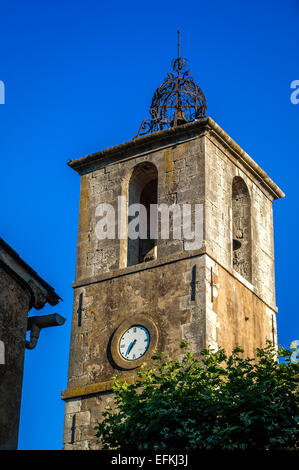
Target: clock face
x=134 y=342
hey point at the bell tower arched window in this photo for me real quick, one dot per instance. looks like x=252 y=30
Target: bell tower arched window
x=143 y=187
x=241 y=228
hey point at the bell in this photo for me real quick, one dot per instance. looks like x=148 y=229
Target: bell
x=236 y=244
x=179 y=117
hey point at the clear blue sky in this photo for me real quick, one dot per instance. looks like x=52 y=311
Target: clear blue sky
x=79 y=77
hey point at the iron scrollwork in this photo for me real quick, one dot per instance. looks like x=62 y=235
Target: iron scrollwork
x=177 y=100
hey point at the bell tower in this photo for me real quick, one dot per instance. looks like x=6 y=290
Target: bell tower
x=133 y=294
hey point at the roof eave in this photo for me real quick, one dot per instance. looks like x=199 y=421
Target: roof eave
x=174 y=135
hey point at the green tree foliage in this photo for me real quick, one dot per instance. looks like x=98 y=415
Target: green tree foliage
x=214 y=402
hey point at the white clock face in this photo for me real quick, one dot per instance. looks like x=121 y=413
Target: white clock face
x=134 y=343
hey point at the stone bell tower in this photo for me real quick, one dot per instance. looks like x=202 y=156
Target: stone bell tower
x=134 y=295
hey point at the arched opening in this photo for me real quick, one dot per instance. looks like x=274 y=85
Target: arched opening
x=143 y=188
x=241 y=228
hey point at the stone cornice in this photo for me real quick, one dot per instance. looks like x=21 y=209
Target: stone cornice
x=173 y=136
x=246 y=160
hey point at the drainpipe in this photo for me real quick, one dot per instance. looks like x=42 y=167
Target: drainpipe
x=35 y=324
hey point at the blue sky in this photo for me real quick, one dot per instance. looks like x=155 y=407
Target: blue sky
x=79 y=77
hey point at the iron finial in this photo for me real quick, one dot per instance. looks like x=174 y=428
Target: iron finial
x=177 y=100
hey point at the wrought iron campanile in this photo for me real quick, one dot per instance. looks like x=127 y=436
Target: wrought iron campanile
x=177 y=100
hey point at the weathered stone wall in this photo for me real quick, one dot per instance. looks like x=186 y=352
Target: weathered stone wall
x=14 y=305
x=164 y=294
x=180 y=180
x=235 y=315
x=221 y=168
x=221 y=309
x=223 y=313
x=81 y=417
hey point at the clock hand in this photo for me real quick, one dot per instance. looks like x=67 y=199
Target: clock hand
x=128 y=350
x=130 y=347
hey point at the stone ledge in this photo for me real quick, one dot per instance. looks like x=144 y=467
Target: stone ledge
x=164 y=261
x=138 y=267
x=93 y=389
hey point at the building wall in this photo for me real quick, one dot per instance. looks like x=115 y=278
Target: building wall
x=14 y=305
x=221 y=167
x=235 y=314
